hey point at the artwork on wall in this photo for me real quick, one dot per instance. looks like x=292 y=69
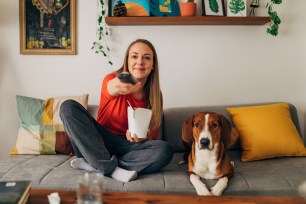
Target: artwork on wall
x=213 y=8
x=135 y=7
x=164 y=8
x=47 y=27
x=236 y=8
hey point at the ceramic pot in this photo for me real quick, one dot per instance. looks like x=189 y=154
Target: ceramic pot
x=188 y=8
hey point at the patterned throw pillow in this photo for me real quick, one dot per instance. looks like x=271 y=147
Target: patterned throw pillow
x=41 y=130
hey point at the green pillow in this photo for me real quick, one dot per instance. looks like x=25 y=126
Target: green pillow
x=41 y=130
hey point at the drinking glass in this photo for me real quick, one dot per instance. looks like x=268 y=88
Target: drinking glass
x=90 y=189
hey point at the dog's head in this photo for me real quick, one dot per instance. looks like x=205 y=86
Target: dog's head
x=208 y=129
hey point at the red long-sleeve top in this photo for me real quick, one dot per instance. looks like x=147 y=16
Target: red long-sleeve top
x=113 y=109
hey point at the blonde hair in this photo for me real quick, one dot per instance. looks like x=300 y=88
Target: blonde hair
x=152 y=87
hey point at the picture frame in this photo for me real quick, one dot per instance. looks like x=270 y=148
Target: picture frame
x=134 y=8
x=237 y=8
x=213 y=8
x=47 y=27
x=164 y=8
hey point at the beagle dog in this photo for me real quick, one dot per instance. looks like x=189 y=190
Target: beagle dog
x=207 y=135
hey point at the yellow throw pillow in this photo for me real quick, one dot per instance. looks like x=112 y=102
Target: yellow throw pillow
x=267 y=131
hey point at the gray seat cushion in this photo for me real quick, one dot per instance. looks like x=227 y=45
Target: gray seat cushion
x=279 y=177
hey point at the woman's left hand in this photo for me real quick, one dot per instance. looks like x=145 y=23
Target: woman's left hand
x=134 y=138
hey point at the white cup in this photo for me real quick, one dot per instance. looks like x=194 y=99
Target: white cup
x=139 y=121
x=90 y=189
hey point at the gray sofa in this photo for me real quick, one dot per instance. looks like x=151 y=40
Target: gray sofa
x=274 y=177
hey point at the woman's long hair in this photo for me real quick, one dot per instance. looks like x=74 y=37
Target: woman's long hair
x=152 y=87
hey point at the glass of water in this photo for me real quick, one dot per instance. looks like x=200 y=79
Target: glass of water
x=90 y=189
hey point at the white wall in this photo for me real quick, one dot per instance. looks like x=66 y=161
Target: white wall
x=200 y=65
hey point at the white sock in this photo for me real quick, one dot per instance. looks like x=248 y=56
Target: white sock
x=81 y=163
x=124 y=175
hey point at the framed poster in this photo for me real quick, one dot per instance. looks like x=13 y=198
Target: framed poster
x=134 y=7
x=237 y=8
x=47 y=27
x=164 y=8
x=213 y=8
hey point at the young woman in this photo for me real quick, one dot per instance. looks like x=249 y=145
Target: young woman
x=105 y=144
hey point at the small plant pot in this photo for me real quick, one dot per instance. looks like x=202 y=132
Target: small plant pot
x=188 y=8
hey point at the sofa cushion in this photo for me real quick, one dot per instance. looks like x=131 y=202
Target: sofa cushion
x=174 y=117
x=267 y=131
x=41 y=130
x=273 y=177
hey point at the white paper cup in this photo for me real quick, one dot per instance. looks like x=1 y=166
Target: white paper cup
x=139 y=121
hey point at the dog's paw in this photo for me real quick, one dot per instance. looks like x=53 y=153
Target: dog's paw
x=220 y=186
x=216 y=192
x=199 y=186
x=203 y=192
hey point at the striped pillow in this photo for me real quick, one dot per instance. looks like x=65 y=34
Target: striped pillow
x=41 y=130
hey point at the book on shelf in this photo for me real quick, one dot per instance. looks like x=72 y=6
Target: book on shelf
x=14 y=192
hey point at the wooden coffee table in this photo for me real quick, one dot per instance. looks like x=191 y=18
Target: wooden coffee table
x=39 y=196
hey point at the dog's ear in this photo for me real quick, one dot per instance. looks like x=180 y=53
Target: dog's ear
x=187 y=138
x=229 y=134
x=187 y=132
x=234 y=136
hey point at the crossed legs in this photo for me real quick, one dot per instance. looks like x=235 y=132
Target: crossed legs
x=105 y=152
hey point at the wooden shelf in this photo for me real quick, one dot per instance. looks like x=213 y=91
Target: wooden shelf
x=195 y=20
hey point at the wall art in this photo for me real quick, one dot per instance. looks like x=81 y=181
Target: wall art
x=213 y=8
x=236 y=8
x=47 y=27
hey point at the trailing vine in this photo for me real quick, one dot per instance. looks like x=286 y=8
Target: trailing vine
x=102 y=32
x=275 y=20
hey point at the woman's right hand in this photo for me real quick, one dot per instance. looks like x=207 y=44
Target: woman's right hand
x=116 y=87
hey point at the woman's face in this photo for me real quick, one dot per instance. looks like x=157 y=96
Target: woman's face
x=140 y=61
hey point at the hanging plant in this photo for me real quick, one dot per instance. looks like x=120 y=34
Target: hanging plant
x=102 y=32
x=275 y=20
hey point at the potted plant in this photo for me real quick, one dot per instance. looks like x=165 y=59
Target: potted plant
x=102 y=32
x=275 y=20
x=188 y=8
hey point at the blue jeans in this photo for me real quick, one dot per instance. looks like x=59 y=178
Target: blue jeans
x=105 y=151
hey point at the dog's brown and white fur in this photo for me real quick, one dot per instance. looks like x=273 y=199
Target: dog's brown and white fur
x=207 y=135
